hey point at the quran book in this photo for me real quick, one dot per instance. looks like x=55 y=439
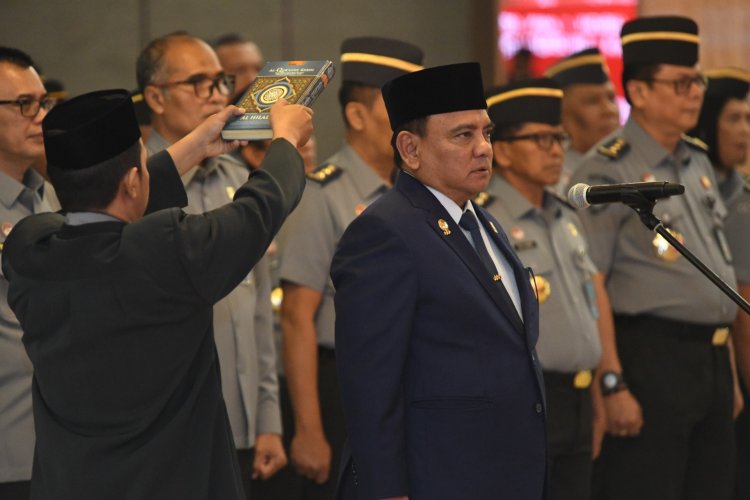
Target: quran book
x=299 y=82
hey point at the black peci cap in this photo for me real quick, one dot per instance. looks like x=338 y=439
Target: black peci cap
x=433 y=91
x=374 y=61
x=90 y=129
x=586 y=66
x=537 y=100
x=660 y=40
x=727 y=82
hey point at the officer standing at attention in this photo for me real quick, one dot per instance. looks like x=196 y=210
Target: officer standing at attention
x=547 y=236
x=24 y=103
x=724 y=125
x=337 y=192
x=667 y=382
x=589 y=107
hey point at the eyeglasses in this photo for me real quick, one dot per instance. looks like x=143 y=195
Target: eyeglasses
x=30 y=107
x=683 y=85
x=204 y=85
x=544 y=140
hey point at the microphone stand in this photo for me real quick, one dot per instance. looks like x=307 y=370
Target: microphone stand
x=644 y=206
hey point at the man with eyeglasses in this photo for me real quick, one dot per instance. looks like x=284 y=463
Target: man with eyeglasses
x=528 y=147
x=239 y=57
x=666 y=381
x=23 y=105
x=182 y=82
x=589 y=107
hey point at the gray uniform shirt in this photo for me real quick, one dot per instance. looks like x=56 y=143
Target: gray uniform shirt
x=736 y=195
x=638 y=280
x=16 y=418
x=550 y=241
x=243 y=320
x=571 y=161
x=312 y=232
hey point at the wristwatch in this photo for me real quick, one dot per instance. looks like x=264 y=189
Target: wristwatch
x=612 y=382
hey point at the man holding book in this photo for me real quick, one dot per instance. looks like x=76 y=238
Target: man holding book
x=182 y=82
x=337 y=192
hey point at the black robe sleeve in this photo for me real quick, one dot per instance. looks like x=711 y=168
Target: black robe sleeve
x=166 y=188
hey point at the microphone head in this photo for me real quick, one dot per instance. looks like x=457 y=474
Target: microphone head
x=577 y=195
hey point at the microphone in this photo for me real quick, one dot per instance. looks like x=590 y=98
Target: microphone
x=582 y=195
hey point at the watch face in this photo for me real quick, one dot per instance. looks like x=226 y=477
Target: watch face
x=609 y=380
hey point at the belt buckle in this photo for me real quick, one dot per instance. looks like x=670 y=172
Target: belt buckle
x=721 y=335
x=582 y=379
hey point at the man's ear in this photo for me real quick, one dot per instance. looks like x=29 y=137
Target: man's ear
x=355 y=115
x=501 y=154
x=131 y=183
x=154 y=98
x=408 y=145
x=637 y=90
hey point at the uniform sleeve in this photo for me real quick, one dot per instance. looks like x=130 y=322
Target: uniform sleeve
x=738 y=237
x=601 y=223
x=219 y=248
x=310 y=240
x=376 y=293
x=268 y=418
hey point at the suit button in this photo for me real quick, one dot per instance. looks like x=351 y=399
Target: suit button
x=538 y=408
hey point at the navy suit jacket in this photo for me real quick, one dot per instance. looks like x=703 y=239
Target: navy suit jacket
x=442 y=390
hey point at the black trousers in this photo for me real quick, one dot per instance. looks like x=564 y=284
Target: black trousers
x=684 y=384
x=17 y=490
x=569 y=432
x=287 y=484
x=742 y=435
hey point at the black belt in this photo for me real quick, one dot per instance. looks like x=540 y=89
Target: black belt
x=716 y=335
x=326 y=352
x=578 y=380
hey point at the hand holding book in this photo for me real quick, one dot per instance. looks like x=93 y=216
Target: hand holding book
x=298 y=82
x=292 y=122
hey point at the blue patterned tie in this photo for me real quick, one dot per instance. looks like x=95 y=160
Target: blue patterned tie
x=469 y=222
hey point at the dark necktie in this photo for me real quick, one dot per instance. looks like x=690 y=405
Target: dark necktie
x=469 y=222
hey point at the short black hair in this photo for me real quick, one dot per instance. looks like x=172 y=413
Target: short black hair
x=643 y=72
x=16 y=57
x=356 y=92
x=93 y=188
x=150 y=60
x=418 y=126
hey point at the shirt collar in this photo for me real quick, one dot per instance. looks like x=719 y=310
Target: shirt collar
x=365 y=180
x=651 y=151
x=450 y=206
x=10 y=188
x=516 y=204
x=730 y=185
x=80 y=218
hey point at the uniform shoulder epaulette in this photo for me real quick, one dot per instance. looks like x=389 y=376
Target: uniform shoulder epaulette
x=695 y=142
x=484 y=199
x=614 y=148
x=325 y=173
x=562 y=200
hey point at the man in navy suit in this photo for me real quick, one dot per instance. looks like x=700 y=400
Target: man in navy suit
x=436 y=321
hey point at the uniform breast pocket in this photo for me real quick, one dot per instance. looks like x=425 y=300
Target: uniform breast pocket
x=659 y=246
x=542 y=265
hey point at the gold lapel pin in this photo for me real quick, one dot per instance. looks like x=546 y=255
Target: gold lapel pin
x=444 y=227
